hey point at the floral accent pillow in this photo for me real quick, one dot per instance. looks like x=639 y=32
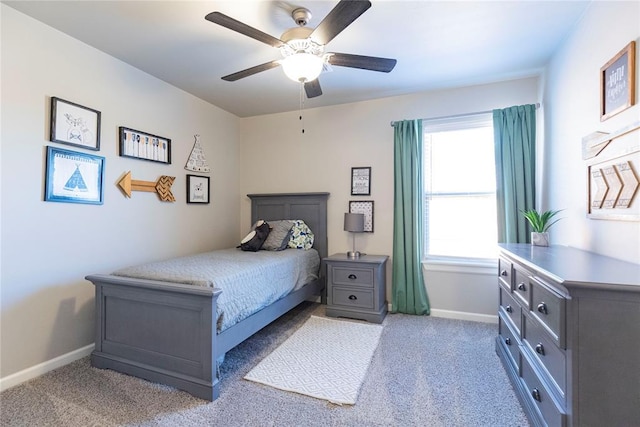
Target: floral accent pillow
x=301 y=235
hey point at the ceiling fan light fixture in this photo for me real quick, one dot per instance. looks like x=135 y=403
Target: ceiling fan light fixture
x=302 y=66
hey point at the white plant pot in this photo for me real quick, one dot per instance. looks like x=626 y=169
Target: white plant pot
x=540 y=239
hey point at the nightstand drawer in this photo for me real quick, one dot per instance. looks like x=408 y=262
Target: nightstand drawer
x=350 y=297
x=352 y=276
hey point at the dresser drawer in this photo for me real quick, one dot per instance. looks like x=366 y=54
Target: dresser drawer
x=509 y=341
x=549 y=308
x=352 y=276
x=350 y=297
x=546 y=352
x=510 y=308
x=505 y=273
x=540 y=397
x=522 y=287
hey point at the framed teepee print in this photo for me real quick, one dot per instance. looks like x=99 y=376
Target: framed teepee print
x=73 y=177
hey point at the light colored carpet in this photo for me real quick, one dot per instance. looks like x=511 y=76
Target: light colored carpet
x=325 y=358
x=426 y=371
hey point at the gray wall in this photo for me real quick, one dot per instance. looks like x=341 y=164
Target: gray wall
x=47 y=248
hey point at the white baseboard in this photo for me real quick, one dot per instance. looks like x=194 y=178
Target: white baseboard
x=44 y=367
x=462 y=315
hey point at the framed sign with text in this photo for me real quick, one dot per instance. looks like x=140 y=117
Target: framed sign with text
x=617 y=82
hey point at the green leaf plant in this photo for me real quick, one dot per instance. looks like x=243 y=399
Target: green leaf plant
x=540 y=222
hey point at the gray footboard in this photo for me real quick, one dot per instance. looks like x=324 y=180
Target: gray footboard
x=158 y=331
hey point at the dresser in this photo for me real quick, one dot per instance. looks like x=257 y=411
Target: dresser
x=569 y=335
x=356 y=287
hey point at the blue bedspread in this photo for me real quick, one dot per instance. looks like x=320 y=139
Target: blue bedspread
x=249 y=281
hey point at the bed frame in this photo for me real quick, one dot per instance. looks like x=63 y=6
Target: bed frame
x=165 y=332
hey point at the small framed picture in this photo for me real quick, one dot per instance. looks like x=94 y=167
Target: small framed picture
x=73 y=177
x=73 y=124
x=144 y=146
x=361 y=181
x=364 y=207
x=617 y=82
x=197 y=189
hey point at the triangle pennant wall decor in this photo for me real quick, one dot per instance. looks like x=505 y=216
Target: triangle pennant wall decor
x=197 y=162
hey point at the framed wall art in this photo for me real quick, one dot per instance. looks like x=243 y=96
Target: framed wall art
x=617 y=82
x=197 y=189
x=144 y=146
x=361 y=181
x=73 y=124
x=73 y=177
x=364 y=207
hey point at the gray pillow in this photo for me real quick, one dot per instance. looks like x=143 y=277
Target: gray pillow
x=278 y=237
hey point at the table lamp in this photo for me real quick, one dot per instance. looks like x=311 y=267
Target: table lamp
x=354 y=223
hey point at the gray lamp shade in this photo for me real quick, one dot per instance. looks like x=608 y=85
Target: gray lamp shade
x=354 y=222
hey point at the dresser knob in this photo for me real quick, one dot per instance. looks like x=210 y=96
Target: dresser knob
x=542 y=308
x=503 y=273
x=521 y=286
x=540 y=349
x=535 y=393
x=353 y=297
x=509 y=309
x=352 y=276
x=507 y=341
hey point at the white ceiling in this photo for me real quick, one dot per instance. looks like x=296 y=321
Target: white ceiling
x=438 y=44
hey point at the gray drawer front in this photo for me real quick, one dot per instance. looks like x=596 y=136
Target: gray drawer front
x=352 y=276
x=541 y=398
x=510 y=308
x=509 y=340
x=547 y=352
x=522 y=287
x=548 y=307
x=505 y=273
x=349 y=297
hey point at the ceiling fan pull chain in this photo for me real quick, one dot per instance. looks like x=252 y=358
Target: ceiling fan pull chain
x=301 y=117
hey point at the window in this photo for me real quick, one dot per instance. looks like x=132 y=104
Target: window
x=460 y=188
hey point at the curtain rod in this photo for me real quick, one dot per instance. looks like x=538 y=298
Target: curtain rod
x=462 y=115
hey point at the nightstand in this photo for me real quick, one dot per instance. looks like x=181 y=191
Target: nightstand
x=356 y=287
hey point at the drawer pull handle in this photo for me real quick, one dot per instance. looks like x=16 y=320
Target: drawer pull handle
x=521 y=286
x=352 y=277
x=507 y=341
x=535 y=393
x=540 y=349
x=353 y=297
x=509 y=309
x=542 y=308
x=503 y=273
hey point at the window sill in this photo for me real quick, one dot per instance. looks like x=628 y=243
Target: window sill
x=462 y=265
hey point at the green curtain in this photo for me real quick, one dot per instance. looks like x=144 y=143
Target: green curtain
x=514 y=130
x=408 y=290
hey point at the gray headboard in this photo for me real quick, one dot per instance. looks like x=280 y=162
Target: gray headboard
x=309 y=207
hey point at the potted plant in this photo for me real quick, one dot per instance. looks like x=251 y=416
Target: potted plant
x=540 y=223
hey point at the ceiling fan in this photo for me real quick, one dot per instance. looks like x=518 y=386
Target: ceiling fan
x=303 y=48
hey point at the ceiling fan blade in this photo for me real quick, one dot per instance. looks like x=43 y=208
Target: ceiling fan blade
x=313 y=88
x=338 y=19
x=251 y=71
x=371 y=63
x=239 y=27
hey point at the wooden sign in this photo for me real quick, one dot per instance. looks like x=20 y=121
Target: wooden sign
x=162 y=186
x=617 y=82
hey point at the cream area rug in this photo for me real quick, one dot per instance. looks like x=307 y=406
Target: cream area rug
x=325 y=358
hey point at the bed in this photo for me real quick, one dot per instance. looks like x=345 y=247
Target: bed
x=166 y=332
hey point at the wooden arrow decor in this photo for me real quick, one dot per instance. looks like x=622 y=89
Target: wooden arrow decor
x=162 y=186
